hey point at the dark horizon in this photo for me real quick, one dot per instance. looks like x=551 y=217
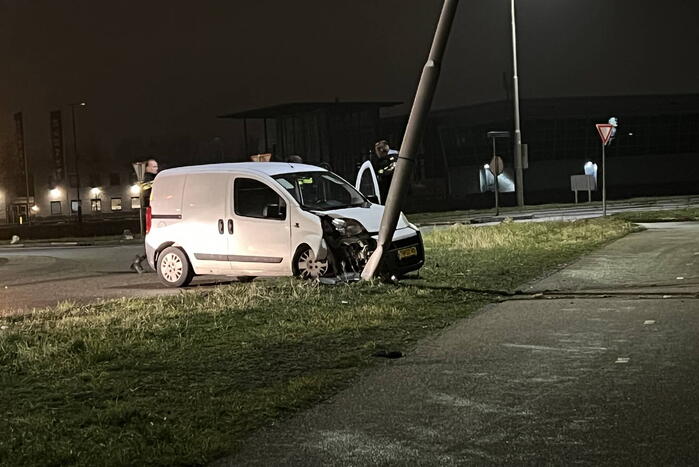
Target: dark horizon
x=163 y=71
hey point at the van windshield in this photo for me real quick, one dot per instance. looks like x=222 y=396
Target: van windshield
x=320 y=191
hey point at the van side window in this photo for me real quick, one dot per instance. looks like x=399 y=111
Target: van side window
x=255 y=199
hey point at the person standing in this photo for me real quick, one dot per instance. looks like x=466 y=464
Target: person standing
x=385 y=166
x=151 y=171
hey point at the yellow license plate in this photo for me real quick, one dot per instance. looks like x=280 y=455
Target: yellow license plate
x=407 y=252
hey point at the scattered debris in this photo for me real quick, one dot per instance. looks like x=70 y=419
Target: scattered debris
x=649 y=321
x=127 y=235
x=343 y=278
x=15 y=240
x=622 y=360
x=388 y=354
x=679 y=278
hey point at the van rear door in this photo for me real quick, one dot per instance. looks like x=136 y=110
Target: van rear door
x=203 y=235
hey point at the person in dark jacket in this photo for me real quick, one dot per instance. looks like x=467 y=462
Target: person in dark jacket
x=384 y=166
x=146 y=186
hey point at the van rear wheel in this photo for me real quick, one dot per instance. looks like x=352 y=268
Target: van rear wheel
x=174 y=269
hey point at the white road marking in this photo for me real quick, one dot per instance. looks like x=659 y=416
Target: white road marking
x=622 y=360
x=557 y=349
x=679 y=278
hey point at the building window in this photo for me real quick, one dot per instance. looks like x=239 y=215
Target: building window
x=114 y=179
x=56 y=208
x=74 y=205
x=116 y=204
x=96 y=205
x=135 y=202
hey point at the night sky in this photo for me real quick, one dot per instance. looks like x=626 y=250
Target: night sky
x=165 y=69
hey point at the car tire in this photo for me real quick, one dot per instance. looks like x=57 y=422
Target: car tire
x=306 y=266
x=174 y=269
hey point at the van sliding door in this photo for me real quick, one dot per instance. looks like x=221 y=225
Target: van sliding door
x=259 y=231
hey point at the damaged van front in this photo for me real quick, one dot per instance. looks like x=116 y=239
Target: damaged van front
x=350 y=225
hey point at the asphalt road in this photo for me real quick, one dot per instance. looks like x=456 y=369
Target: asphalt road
x=39 y=277
x=599 y=366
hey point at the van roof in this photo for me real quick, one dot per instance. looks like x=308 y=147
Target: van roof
x=267 y=168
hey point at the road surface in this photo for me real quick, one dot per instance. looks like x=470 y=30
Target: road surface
x=40 y=277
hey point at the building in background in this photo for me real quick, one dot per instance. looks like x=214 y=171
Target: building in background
x=340 y=134
x=655 y=151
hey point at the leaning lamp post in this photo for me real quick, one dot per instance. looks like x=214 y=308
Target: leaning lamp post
x=411 y=141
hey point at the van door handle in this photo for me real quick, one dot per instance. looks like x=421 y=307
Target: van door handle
x=220 y=226
x=230 y=226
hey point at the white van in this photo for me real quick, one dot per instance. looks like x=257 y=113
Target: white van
x=253 y=219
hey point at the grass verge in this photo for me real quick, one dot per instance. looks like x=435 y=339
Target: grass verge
x=184 y=379
x=671 y=215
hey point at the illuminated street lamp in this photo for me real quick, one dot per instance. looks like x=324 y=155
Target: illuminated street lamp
x=75 y=156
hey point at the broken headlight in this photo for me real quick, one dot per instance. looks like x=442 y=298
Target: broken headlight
x=347 y=227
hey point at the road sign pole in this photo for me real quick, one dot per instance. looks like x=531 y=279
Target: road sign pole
x=497 y=197
x=497 y=188
x=140 y=169
x=604 y=183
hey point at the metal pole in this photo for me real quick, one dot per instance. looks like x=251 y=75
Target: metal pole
x=604 y=183
x=411 y=141
x=140 y=210
x=26 y=185
x=264 y=122
x=519 y=176
x=497 y=187
x=77 y=165
x=245 y=137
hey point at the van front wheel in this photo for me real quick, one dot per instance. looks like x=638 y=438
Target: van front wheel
x=174 y=269
x=307 y=266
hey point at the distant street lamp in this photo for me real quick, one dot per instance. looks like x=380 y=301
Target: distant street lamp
x=76 y=159
x=519 y=176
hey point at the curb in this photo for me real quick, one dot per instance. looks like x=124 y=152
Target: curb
x=66 y=244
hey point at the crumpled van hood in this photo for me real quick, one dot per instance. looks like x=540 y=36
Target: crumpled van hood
x=369 y=217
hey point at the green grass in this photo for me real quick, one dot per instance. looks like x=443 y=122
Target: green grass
x=185 y=379
x=672 y=215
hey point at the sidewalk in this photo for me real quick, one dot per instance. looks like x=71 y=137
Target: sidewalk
x=53 y=243
x=599 y=365
x=553 y=211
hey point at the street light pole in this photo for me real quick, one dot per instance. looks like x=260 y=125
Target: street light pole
x=413 y=132
x=76 y=160
x=519 y=176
